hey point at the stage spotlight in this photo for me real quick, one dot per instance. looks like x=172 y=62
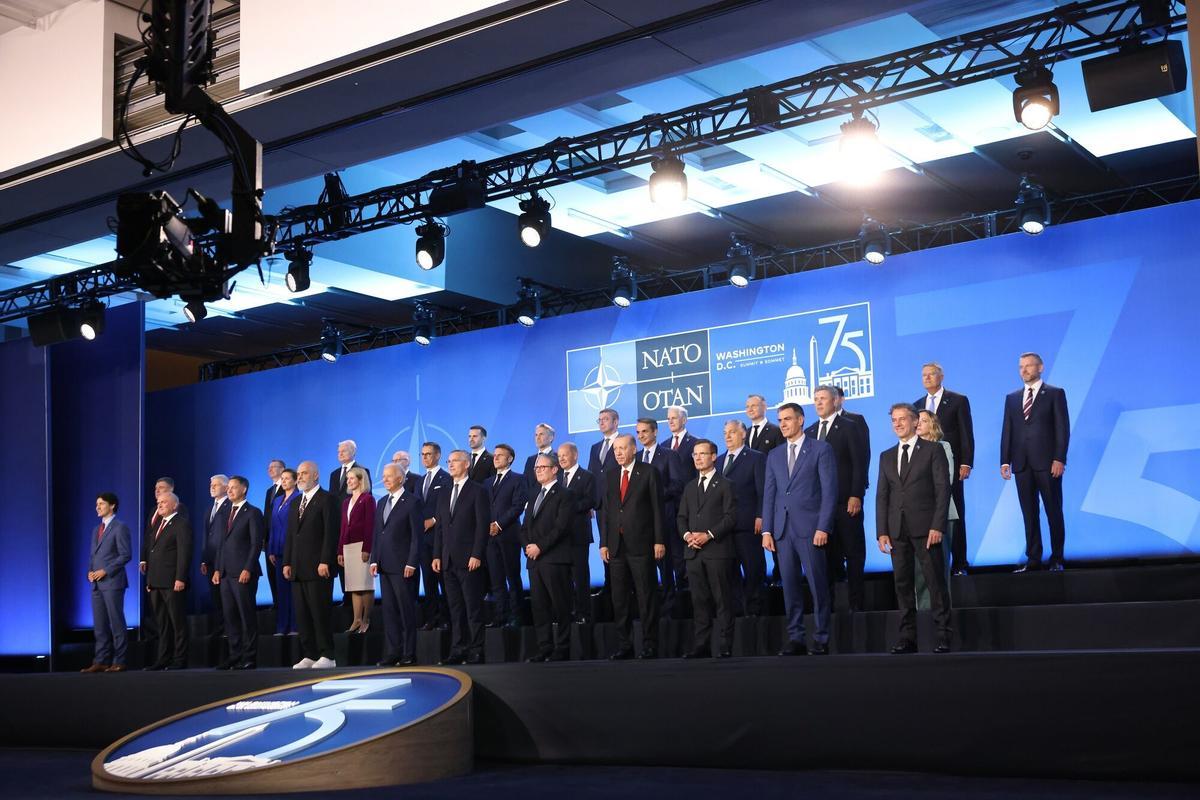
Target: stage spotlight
x=423 y=334
x=668 y=184
x=534 y=223
x=299 y=261
x=195 y=310
x=423 y=325
x=91 y=320
x=740 y=257
x=1033 y=209
x=431 y=244
x=624 y=283
x=861 y=152
x=874 y=240
x=1035 y=100
x=333 y=349
x=529 y=309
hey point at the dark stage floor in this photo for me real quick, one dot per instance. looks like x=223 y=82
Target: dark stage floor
x=65 y=774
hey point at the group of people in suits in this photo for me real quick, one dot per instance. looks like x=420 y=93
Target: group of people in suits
x=671 y=515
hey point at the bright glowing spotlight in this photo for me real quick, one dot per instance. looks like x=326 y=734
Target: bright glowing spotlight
x=91 y=320
x=529 y=309
x=668 y=184
x=861 y=152
x=195 y=311
x=332 y=346
x=1033 y=209
x=874 y=240
x=424 y=319
x=1035 y=100
x=431 y=244
x=624 y=283
x=534 y=223
x=299 y=261
x=741 y=261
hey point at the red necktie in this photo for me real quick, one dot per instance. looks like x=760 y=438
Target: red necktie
x=161 y=525
x=624 y=483
x=229 y=524
x=100 y=533
x=675 y=442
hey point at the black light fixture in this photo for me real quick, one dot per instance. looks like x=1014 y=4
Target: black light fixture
x=423 y=325
x=624 y=283
x=873 y=237
x=1033 y=209
x=1035 y=100
x=195 y=310
x=91 y=320
x=668 y=184
x=299 y=260
x=740 y=257
x=431 y=244
x=332 y=346
x=529 y=309
x=534 y=222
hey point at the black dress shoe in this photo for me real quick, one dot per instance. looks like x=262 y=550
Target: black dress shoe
x=388 y=662
x=699 y=652
x=726 y=653
x=407 y=662
x=904 y=647
x=173 y=667
x=820 y=649
x=154 y=668
x=583 y=619
x=474 y=658
x=428 y=626
x=621 y=655
x=1055 y=566
x=958 y=572
x=246 y=665
x=493 y=624
x=539 y=658
x=1030 y=567
x=794 y=649
x=943 y=646
x=648 y=653
x=229 y=663
x=450 y=660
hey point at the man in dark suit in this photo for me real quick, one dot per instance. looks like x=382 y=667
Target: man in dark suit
x=631 y=542
x=912 y=501
x=411 y=481
x=482 y=467
x=865 y=442
x=705 y=523
x=546 y=536
x=346 y=451
x=309 y=561
x=581 y=485
x=601 y=459
x=162 y=487
x=953 y=411
x=110 y=552
x=1033 y=449
x=167 y=550
x=762 y=434
x=744 y=468
x=275 y=470
x=214 y=533
x=459 y=539
x=847 y=548
x=543 y=443
x=434 y=483
x=236 y=573
x=670 y=484
x=799 y=496
x=395 y=556
x=680 y=444
x=506 y=501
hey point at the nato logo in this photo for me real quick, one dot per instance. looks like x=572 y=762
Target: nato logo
x=376 y=728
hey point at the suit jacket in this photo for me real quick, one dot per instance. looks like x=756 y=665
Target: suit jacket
x=530 y=478
x=313 y=540
x=111 y=554
x=462 y=535
x=632 y=526
x=269 y=508
x=484 y=468
x=214 y=532
x=550 y=527
x=598 y=469
x=1041 y=440
x=683 y=456
x=169 y=554
x=954 y=414
x=746 y=478
x=770 y=438
x=714 y=511
x=845 y=437
x=440 y=485
x=802 y=504
x=670 y=477
x=242 y=543
x=337 y=488
x=506 y=501
x=921 y=494
x=358 y=525
x=181 y=510
x=398 y=541
x=582 y=489
x=864 y=443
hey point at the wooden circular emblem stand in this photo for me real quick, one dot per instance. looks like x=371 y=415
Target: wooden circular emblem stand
x=435 y=746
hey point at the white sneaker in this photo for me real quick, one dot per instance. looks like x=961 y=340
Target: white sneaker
x=304 y=663
x=324 y=663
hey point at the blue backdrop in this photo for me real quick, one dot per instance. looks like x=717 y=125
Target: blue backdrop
x=1106 y=303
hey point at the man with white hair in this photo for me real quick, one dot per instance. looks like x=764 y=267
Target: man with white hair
x=214 y=533
x=346 y=451
x=309 y=560
x=167 y=550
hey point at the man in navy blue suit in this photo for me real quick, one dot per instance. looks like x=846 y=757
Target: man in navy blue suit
x=1033 y=449
x=546 y=537
x=106 y=573
x=395 y=556
x=214 y=532
x=543 y=444
x=601 y=459
x=435 y=482
x=680 y=444
x=799 y=494
x=580 y=484
x=670 y=485
x=745 y=469
x=236 y=572
x=459 y=540
x=506 y=499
